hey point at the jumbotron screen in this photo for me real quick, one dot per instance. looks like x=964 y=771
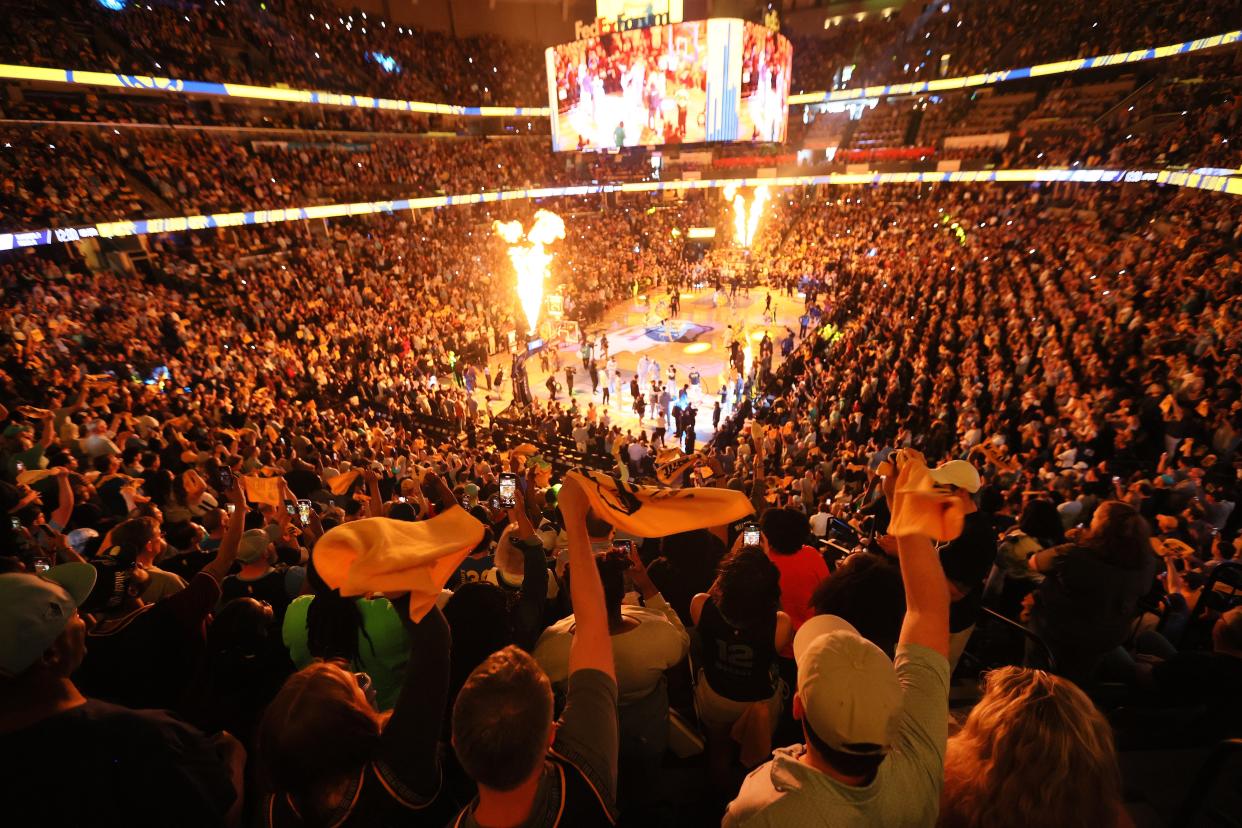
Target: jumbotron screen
x=684 y=83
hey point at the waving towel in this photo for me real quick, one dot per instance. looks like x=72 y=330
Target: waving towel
x=195 y=488
x=393 y=556
x=262 y=489
x=33 y=476
x=671 y=463
x=919 y=506
x=340 y=484
x=652 y=512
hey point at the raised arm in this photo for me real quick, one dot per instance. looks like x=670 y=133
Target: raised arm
x=49 y=431
x=591 y=648
x=219 y=566
x=927 y=595
x=409 y=754
x=375 y=503
x=64 y=499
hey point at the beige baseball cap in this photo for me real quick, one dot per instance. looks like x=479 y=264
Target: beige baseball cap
x=956 y=473
x=850 y=694
x=35 y=609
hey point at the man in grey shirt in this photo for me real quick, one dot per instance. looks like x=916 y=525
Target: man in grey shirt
x=532 y=771
x=875 y=730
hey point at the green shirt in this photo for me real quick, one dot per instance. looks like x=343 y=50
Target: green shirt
x=383 y=656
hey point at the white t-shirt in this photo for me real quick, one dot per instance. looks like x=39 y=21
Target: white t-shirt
x=642 y=653
x=819 y=523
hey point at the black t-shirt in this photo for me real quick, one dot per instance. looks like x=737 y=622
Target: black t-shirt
x=99 y=764
x=148 y=658
x=967 y=560
x=187 y=565
x=269 y=588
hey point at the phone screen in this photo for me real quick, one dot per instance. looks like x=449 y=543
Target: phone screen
x=625 y=547
x=291 y=508
x=42 y=564
x=226 y=479
x=508 y=489
x=15 y=522
x=750 y=534
x=304 y=507
x=230 y=507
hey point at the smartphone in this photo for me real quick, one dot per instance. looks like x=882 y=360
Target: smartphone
x=401 y=498
x=304 y=507
x=508 y=489
x=623 y=547
x=750 y=534
x=41 y=564
x=230 y=507
x=15 y=522
x=291 y=508
x=226 y=478
x=21 y=467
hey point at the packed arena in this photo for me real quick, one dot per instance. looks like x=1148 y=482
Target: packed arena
x=589 y=433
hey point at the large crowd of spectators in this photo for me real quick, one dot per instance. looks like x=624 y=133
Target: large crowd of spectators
x=951 y=39
x=1077 y=401
x=259 y=565
x=61 y=175
x=307 y=45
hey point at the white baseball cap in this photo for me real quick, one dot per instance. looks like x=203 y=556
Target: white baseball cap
x=35 y=609
x=956 y=473
x=850 y=694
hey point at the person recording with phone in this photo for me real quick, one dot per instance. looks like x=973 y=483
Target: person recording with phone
x=646 y=640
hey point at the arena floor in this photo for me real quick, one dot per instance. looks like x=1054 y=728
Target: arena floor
x=701 y=333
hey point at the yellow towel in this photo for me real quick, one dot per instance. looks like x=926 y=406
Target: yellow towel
x=395 y=556
x=671 y=463
x=33 y=476
x=919 y=508
x=262 y=489
x=651 y=512
x=340 y=484
x=753 y=733
x=194 y=485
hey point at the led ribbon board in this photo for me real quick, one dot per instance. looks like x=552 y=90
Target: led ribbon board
x=988 y=78
x=1231 y=185
x=262 y=93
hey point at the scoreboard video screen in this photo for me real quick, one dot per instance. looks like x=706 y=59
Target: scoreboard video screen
x=683 y=83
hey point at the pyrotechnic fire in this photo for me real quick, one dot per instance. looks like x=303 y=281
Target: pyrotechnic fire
x=530 y=261
x=756 y=211
x=745 y=224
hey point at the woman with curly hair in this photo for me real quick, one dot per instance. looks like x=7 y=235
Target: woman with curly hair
x=740 y=629
x=1033 y=752
x=1089 y=599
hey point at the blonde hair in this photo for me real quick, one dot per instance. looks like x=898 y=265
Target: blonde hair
x=1034 y=751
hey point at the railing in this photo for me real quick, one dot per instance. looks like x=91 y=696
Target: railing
x=1039 y=70
x=1228 y=184
x=149 y=83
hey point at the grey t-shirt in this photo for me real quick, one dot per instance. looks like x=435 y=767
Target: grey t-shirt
x=906 y=789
